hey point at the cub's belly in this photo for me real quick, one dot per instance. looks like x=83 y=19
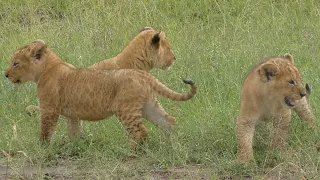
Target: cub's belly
x=86 y=114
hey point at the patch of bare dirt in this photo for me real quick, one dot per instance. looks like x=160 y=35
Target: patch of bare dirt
x=63 y=172
x=69 y=170
x=182 y=172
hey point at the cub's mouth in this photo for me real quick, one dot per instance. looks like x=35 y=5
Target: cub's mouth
x=17 y=81
x=14 y=81
x=289 y=102
x=167 y=66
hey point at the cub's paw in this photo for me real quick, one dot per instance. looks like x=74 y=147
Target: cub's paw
x=32 y=110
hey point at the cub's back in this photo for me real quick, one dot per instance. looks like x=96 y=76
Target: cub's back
x=83 y=85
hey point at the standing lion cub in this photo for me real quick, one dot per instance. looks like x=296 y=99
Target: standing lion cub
x=148 y=50
x=269 y=92
x=89 y=94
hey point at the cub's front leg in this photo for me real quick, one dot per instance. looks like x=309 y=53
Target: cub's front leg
x=281 y=125
x=48 y=123
x=245 y=127
x=49 y=112
x=304 y=111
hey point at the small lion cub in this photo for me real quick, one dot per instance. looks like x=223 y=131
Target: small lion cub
x=271 y=89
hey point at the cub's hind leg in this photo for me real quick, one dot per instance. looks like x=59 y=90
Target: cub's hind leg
x=131 y=117
x=74 y=128
x=153 y=112
x=169 y=118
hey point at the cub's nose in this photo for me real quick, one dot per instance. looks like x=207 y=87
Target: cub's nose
x=6 y=74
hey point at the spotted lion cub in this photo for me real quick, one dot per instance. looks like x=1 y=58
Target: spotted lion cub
x=89 y=94
x=272 y=88
x=149 y=49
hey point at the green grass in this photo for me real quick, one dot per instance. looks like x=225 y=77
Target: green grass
x=215 y=43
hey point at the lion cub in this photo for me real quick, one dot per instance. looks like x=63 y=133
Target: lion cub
x=149 y=49
x=270 y=90
x=89 y=94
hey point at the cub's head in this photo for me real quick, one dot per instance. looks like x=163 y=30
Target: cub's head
x=26 y=62
x=281 y=80
x=154 y=47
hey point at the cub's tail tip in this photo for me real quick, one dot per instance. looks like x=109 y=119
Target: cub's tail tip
x=308 y=88
x=188 y=81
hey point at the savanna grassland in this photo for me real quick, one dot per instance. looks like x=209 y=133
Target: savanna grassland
x=215 y=43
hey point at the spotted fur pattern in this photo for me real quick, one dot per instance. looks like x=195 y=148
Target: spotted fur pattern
x=150 y=49
x=89 y=94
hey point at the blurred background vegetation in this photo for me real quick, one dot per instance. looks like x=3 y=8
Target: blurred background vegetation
x=215 y=42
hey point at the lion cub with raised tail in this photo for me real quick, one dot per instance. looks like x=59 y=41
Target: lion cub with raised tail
x=89 y=94
x=149 y=49
x=271 y=89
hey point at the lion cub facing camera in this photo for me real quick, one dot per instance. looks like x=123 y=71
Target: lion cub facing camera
x=90 y=94
x=269 y=91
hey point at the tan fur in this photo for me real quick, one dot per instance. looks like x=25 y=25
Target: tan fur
x=141 y=53
x=304 y=111
x=89 y=94
x=268 y=95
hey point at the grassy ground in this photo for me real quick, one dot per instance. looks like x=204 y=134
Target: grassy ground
x=215 y=43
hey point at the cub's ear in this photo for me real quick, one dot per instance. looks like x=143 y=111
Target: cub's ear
x=38 y=49
x=145 y=28
x=289 y=57
x=156 y=39
x=38 y=41
x=268 y=71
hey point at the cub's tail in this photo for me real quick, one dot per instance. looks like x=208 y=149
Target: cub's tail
x=308 y=88
x=163 y=90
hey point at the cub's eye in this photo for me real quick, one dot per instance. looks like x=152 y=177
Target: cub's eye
x=15 y=64
x=292 y=82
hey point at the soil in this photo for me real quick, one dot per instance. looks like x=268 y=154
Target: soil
x=67 y=171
